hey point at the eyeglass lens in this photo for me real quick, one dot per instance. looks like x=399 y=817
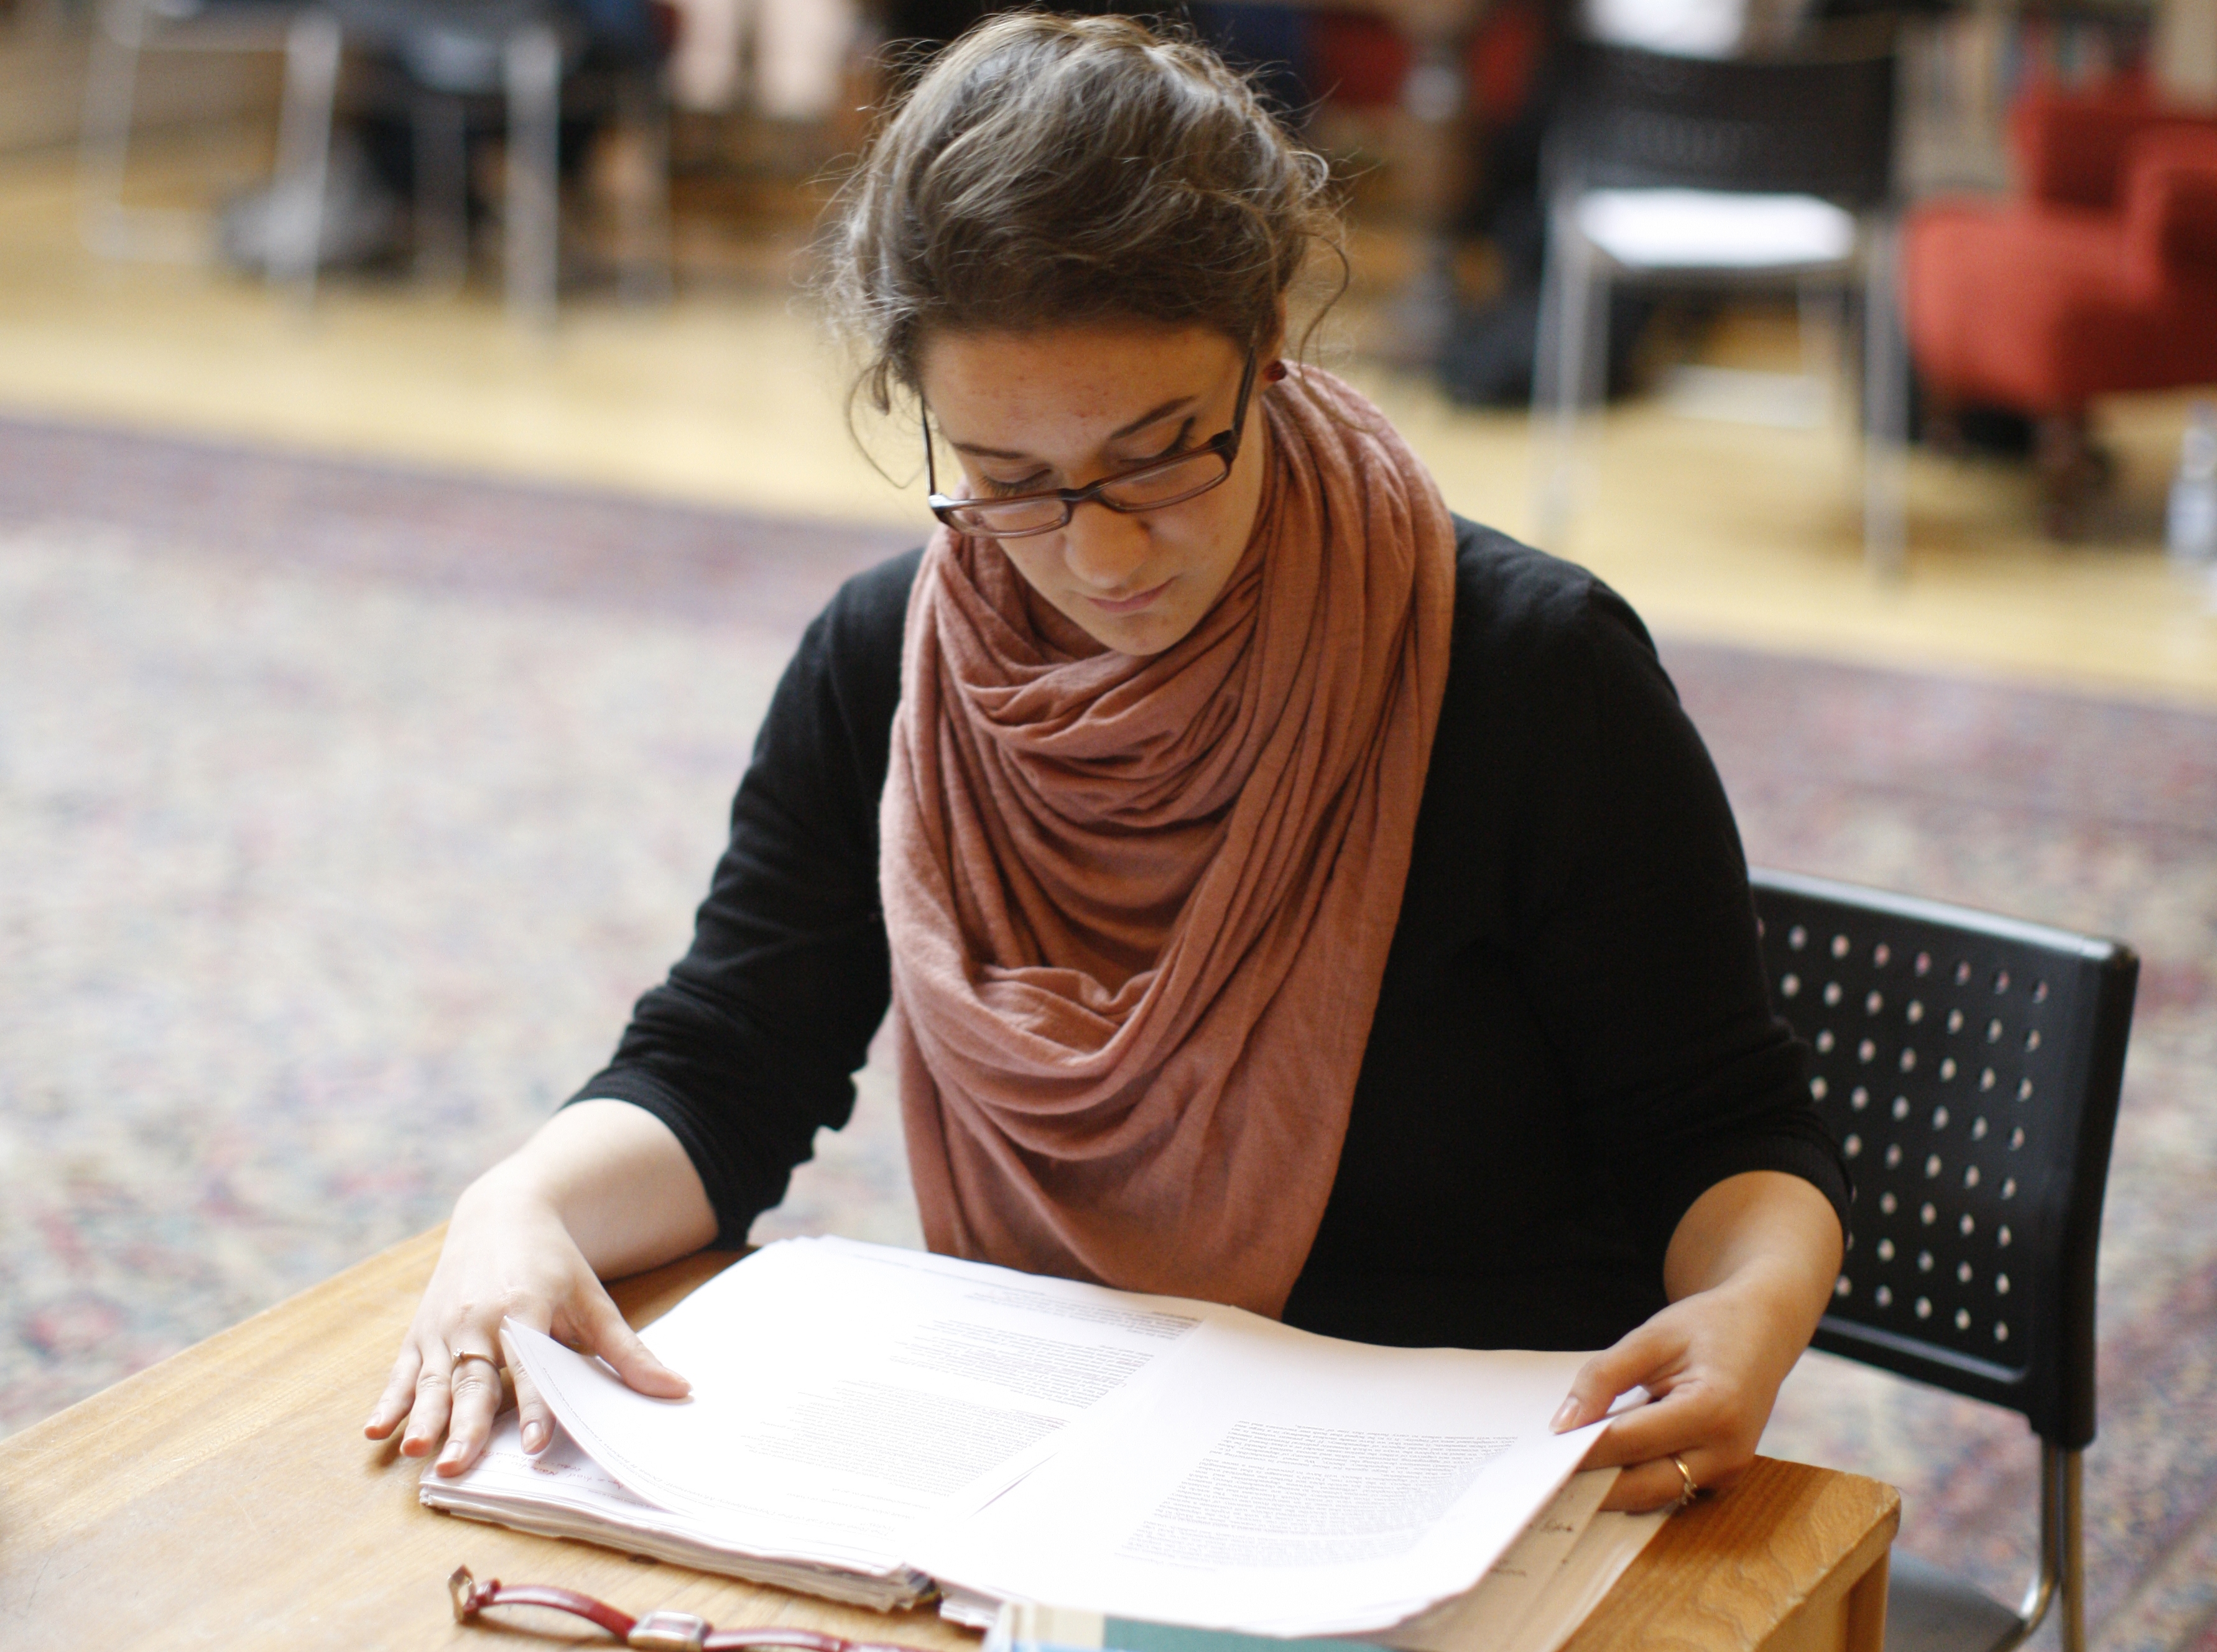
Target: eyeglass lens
x=1158 y=485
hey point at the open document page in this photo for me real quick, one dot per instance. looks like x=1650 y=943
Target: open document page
x=1610 y=1542
x=1510 y=1592
x=1533 y=1601
x=1283 y=1484
x=845 y=1394
x=1538 y=1593
x=889 y=1414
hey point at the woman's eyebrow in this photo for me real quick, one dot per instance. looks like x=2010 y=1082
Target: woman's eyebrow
x=1152 y=415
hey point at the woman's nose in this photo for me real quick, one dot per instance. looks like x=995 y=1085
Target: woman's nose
x=1105 y=549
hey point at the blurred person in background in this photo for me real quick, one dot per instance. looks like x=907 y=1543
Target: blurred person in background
x=402 y=52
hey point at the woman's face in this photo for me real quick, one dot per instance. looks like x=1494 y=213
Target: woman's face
x=1025 y=412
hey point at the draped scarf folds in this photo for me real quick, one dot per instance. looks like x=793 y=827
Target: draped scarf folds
x=1140 y=908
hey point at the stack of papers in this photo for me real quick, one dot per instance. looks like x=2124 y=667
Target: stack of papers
x=562 y=1492
x=867 y=1423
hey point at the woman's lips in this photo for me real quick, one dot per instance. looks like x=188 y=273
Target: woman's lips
x=1128 y=604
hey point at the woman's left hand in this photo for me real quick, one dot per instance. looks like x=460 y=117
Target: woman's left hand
x=1751 y=1268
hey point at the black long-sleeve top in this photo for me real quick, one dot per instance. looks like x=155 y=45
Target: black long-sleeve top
x=1572 y=1043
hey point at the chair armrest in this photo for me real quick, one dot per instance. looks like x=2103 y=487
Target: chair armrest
x=2170 y=204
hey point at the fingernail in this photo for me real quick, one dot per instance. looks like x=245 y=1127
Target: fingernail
x=452 y=1454
x=534 y=1436
x=1566 y=1415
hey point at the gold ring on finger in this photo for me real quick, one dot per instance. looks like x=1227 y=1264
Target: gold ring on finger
x=1690 y=1490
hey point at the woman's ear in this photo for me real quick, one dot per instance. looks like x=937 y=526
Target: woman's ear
x=1270 y=366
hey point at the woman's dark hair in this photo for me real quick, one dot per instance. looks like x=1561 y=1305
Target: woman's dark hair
x=1045 y=170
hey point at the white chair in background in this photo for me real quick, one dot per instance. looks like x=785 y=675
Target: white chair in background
x=1730 y=172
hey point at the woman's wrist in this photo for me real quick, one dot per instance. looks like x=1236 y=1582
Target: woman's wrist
x=1782 y=1288
x=611 y=1176
x=513 y=1187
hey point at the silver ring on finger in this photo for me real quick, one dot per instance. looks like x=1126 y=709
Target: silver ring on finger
x=1688 y=1490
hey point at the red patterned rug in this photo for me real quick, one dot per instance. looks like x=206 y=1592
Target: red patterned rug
x=345 y=809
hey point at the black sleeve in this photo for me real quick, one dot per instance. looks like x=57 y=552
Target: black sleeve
x=751 y=1044
x=1638 y=934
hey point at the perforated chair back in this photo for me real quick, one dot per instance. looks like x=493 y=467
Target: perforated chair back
x=1818 y=126
x=1969 y=1065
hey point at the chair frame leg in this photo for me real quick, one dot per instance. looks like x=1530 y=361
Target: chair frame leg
x=1431 y=99
x=532 y=251
x=1571 y=369
x=2065 y=1537
x=111 y=91
x=439 y=134
x=2060 y=1583
x=1820 y=307
x=312 y=48
x=1885 y=405
x=2074 y=470
x=645 y=276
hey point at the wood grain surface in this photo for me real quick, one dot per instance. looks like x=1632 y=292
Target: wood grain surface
x=1792 y=1556
x=226 y=1498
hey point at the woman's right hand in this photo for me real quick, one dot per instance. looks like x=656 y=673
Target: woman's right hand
x=604 y=1172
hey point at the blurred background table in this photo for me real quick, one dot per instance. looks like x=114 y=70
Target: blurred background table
x=225 y=1498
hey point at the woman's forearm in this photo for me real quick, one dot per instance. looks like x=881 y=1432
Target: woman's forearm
x=620 y=1181
x=1765 y=1230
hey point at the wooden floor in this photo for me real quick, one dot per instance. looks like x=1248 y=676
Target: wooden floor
x=1729 y=530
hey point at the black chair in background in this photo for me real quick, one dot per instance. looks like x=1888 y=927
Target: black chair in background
x=1723 y=171
x=1969 y=1065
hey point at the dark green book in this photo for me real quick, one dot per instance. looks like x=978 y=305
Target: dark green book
x=1024 y=1627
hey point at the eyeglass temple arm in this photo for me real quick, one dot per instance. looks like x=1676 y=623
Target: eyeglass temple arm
x=471 y=1597
x=659 y=1631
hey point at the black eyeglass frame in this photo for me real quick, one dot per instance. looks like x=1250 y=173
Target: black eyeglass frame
x=1225 y=444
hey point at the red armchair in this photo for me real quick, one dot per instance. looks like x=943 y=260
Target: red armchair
x=2101 y=276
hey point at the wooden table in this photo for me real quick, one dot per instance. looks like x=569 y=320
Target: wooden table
x=226 y=1498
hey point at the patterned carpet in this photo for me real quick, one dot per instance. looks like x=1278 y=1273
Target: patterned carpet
x=343 y=810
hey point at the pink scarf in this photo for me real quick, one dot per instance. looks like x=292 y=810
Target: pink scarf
x=1140 y=908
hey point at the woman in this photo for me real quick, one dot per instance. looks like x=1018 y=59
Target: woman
x=1285 y=893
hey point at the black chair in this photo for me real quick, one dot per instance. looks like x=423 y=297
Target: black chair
x=1969 y=1065
x=1723 y=170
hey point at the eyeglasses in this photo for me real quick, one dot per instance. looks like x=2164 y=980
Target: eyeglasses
x=659 y=1631
x=1169 y=481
